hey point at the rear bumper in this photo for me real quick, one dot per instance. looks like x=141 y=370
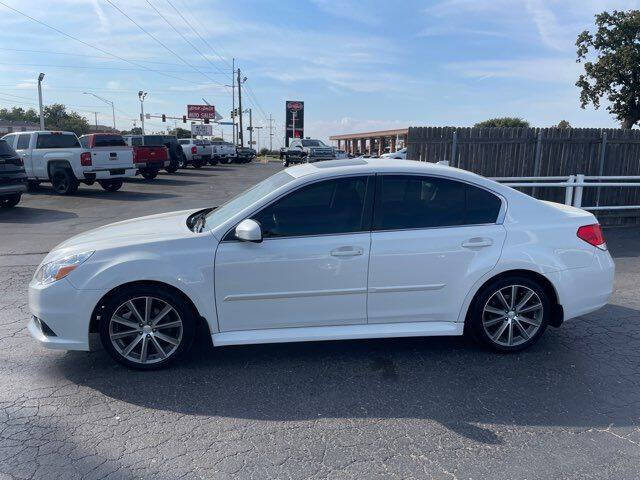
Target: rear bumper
x=12 y=188
x=110 y=173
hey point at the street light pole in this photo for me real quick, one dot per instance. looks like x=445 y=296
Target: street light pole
x=141 y=96
x=40 y=78
x=108 y=102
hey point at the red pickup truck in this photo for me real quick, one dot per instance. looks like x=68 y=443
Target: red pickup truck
x=149 y=159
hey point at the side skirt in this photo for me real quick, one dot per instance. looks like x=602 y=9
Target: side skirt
x=342 y=332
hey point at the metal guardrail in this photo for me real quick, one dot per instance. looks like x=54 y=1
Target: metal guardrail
x=574 y=186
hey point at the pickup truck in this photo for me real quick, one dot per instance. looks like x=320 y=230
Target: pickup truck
x=58 y=157
x=196 y=153
x=307 y=151
x=13 y=179
x=174 y=149
x=210 y=151
x=245 y=154
x=224 y=152
x=148 y=159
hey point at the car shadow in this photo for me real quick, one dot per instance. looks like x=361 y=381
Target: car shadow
x=571 y=378
x=161 y=181
x=120 y=195
x=20 y=214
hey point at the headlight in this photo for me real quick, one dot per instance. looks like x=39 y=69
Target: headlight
x=52 y=271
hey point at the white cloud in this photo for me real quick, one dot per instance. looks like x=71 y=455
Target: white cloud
x=551 y=70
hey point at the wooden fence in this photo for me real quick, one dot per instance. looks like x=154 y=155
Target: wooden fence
x=537 y=152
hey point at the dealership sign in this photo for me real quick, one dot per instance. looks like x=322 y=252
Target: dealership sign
x=294 y=115
x=201 y=129
x=201 y=111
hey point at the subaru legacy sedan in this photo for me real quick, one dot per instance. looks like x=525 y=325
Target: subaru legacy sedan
x=343 y=249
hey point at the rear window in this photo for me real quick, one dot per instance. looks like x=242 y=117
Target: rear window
x=6 y=150
x=57 y=140
x=183 y=142
x=152 y=140
x=109 y=141
x=136 y=141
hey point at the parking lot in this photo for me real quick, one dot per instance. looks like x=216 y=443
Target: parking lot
x=569 y=407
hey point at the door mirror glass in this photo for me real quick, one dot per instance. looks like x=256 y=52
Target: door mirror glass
x=249 y=231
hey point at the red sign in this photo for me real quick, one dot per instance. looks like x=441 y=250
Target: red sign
x=295 y=106
x=201 y=111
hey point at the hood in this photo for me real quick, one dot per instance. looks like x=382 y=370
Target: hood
x=163 y=226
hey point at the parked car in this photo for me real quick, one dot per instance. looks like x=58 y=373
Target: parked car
x=345 y=249
x=213 y=160
x=224 y=152
x=13 y=179
x=111 y=144
x=176 y=155
x=398 y=155
x=340 y=154
x=307 y=151
x=195 y=152
x=245 y=154
x=58 y=157
x=148 y=159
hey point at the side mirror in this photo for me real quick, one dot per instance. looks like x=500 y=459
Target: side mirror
x=249 y=231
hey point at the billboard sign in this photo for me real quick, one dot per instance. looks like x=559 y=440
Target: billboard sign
x=201 y=129
x=201 y=112
x=294 y=116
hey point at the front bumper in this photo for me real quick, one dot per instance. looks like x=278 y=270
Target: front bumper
x=65 y=310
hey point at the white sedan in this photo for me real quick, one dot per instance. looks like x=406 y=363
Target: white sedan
x=342 y=249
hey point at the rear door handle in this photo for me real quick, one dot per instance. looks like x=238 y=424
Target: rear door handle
x=347 y=252
x=477 y=243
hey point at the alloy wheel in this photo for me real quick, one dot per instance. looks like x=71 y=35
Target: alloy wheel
x=145 y=330
x=512 y=315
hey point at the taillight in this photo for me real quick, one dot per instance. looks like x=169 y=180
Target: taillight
x=194 y=150
x=85 y=159
x=592 y=234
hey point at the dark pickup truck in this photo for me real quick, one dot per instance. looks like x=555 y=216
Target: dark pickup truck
x=13 y=179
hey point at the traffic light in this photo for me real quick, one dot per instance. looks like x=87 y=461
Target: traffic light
x=184 y=119
x=164 y=117
x=206 y=120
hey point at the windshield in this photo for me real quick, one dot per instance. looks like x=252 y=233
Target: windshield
x=312 y=143
x=246 y=198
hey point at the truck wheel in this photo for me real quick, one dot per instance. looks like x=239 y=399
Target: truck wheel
x=171 y=169
x=32 y=185
x=111 y=185
x=197 y=164
x=10 y=200
x=149 y=175
x=285 y=161
x=214 y=161
x=64 y=182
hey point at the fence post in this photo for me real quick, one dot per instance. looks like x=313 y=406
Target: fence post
x=536 y=160
x=454 y=149
x=577 y=199
x=603 y=148
x=568 y=192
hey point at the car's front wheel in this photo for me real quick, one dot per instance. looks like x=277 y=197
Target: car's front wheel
x=510 y=313
x=9 y=201
x=146 y=327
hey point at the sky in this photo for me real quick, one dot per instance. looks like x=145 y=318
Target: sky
x=357 y=65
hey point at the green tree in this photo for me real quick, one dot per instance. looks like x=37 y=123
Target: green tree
x=133 y=131
x=181 y=132
x=563 y=124
x=611 y=59
x=56 y=117
x=502 y=122
x=19 y=114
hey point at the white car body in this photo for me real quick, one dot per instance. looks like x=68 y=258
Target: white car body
x=195 y=150
x=398 y=155
x=225 y=152
x=38 y=160
x=365 y=284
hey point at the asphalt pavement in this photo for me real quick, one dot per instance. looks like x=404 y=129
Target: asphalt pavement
x=568 y=408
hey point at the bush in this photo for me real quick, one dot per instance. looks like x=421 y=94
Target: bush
x=502 y=122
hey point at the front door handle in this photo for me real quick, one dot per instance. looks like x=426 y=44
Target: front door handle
x=347 y=252
x=477 y=242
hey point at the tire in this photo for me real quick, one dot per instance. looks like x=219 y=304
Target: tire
x=285 y=162
x=32 y=185
x=64 y=181
x=9 y=201
x=171 y=169
x=504 y=325
x=197 y=164
x=149 y=175
x=213 y=162
x=164 y=344
x=111 y=185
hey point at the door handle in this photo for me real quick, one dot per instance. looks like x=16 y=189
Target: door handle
x=347 y=252
x=477 y=243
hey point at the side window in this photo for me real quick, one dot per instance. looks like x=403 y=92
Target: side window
x=10 y=139
x=23 y=142
x=322 y=208
x=409 y=201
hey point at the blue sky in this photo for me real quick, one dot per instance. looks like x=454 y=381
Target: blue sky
x=358 y=65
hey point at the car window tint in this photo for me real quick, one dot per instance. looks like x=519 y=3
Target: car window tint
x=23 y=141
x=57 y=140
x=109 y=141
x=327 y=207
x=183 y=142
x=406 y=202
x=482 y=206
x=136 y=141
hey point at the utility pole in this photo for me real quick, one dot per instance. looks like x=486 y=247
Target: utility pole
x=270 y=134
x=250 y=129
x=108 y=102
x=96 y=119
x=233 y=98
x=40 y=78
x=240 y=132
x=141 y=96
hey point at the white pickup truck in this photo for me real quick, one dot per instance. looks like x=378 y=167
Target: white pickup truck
x=58 y=157
x=224 y=152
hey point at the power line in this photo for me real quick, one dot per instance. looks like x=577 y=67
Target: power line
x=97 y=67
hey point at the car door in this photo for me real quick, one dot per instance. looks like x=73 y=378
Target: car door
x=311 y=268
x=22 y=147
x=432 y=239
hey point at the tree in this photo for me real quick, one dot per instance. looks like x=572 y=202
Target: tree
x=19 y=114
x=56 y=117
x=181 y=132
x=133 y=131
x=502 y=122
x=563 y=124
x=614 y=73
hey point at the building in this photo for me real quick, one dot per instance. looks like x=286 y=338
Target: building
x=10 y=126
x=372 y=143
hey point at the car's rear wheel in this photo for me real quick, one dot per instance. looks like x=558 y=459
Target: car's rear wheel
x=146 y=327
x=171 y=169
x=111 y=185
x=510 y=313
x=64 y=182
x=9 y=201
x=149 y=174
